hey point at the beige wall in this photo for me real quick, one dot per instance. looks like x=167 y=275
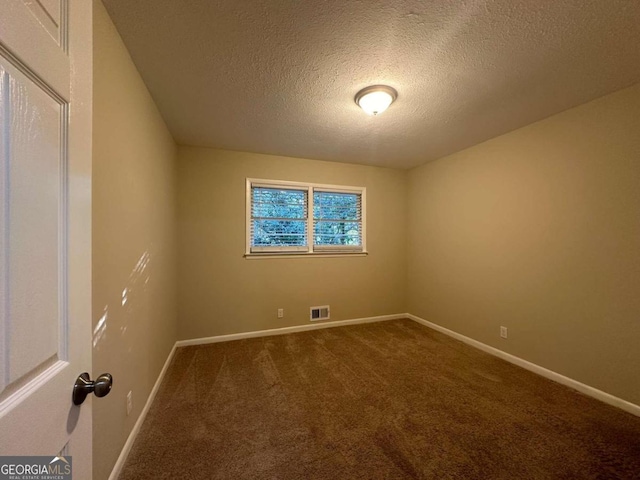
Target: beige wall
x=133 y=241
x=221 y=292
x=539 y=230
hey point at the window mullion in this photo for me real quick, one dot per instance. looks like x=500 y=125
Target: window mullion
x=310 y=219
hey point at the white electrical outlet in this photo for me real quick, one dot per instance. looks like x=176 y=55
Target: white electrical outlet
x=503 y=332
x=280 y=312
x=129 y=402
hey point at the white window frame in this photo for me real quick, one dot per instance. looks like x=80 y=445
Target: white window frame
x=309 y=250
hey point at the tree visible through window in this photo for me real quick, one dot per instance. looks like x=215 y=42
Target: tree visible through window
x=285 y=216
x=279 y=217
x=336 y=218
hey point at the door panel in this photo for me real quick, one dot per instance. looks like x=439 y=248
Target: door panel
x=49 y=14
x=35 y=196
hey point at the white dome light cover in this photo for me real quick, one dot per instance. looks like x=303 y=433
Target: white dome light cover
x=376 y=98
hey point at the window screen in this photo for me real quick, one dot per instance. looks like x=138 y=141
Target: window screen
x=337 y=220
x=278 y=219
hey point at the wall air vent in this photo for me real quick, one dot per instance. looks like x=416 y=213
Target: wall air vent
x=319 y=313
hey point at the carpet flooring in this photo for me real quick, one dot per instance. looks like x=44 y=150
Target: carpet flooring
x=388 y=400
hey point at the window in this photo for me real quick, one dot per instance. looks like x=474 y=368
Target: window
x=304 y=218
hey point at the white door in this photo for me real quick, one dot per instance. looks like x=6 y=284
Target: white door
x=45 y=215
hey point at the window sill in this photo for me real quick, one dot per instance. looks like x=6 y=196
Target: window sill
x=262 y=256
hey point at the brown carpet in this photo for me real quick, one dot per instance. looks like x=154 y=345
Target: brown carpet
x=387 y=400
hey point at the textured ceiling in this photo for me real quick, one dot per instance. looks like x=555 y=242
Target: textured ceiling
x=280 y=77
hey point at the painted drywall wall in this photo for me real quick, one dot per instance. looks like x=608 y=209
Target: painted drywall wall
x=539 y=230
x=134 y=196
x=221 y=292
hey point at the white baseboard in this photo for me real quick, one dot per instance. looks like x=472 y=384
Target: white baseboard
x=550 y=374
x=285 y=330
x=117 y=468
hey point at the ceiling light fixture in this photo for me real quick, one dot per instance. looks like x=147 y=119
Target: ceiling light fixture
x=376 y=98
